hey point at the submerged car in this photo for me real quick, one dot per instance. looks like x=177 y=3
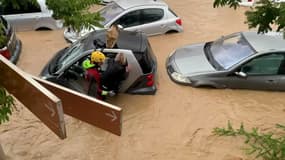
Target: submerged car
x=65 y=68
x=250 y=3
x=30 y=16
x=12 y=49
x=105 y=2
x=247 y=3
x=244 y=60
x=149 y=16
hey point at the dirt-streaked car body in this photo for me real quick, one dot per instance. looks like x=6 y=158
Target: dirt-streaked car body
x=247 y=3
x=148 y=16
x=32 y=17
x=250 y=3
x=244 y=60
x=65 y=68
x=13 y=47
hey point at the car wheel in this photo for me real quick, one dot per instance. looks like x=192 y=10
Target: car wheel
x=171 y=31
x=206 y=86
x=43 y=29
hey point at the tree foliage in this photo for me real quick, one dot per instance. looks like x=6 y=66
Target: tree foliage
x=231 y=3
x=268 y=146
x=264 y=15
x=75 y=13
x=3 y=38
x=6 y=105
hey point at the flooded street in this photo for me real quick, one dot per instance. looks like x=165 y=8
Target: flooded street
x=174 y=124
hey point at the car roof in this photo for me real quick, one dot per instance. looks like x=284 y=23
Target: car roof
x=126 y=4
x=134 y=41
x=272 y=41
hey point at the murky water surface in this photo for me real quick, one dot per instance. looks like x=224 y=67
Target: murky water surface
x=176 y=123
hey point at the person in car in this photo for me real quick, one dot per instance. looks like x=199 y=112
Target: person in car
x=93 y=75
x=115 y=73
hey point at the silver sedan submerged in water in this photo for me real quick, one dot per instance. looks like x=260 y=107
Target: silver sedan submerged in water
x=244 y=60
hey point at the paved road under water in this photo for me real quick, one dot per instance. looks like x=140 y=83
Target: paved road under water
x=174 y=124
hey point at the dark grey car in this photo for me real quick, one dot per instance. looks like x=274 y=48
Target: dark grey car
x=65 y=68
x=244 y=60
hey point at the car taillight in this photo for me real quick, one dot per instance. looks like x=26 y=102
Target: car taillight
x=249 y=0
x=150 y=80
x=179 y=22
x=5 y=52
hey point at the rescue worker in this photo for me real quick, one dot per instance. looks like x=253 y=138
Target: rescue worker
x=93 y=75
x=112 y=37
x=115 y=73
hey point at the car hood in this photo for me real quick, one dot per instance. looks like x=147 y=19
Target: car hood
x=73 y=36
x=191 y=60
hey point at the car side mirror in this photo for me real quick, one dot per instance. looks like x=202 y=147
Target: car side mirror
x=241 y=74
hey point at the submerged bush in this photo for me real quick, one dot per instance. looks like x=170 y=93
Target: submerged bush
x=6 y=105
x=268 y=146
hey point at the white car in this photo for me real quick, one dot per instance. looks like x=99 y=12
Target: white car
x=104 y=2
x=249 y=3
x=149 y=16
x=34 y=17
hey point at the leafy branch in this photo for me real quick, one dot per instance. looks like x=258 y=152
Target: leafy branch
x=265 y=145
x=6 y=105
x=231 y=3
x=262 y=16
x=3 y=38
x=75 y=13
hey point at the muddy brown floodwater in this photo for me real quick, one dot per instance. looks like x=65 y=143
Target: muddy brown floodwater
x=174 y=124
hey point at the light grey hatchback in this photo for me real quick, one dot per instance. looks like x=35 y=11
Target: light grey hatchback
x=244 y=60
x=149 y=16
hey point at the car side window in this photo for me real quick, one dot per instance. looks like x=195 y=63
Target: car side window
x=271 y=64
x=151 y=15
x=27 y=7
x=130 y=19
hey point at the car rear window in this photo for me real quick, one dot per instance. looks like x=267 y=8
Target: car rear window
x=110 y=11
x=146 y=59
x=151 y=15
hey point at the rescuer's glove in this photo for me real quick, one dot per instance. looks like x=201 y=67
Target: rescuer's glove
x=108 y=93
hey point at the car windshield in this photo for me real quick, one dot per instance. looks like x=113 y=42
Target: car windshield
x=110 y=11
x=230 y=50
x=70 y=54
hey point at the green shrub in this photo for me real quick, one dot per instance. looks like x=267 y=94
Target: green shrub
x=6 y=105
x=268 y=146
x=3 y=39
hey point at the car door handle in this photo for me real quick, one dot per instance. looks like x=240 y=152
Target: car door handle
x=271 y=81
